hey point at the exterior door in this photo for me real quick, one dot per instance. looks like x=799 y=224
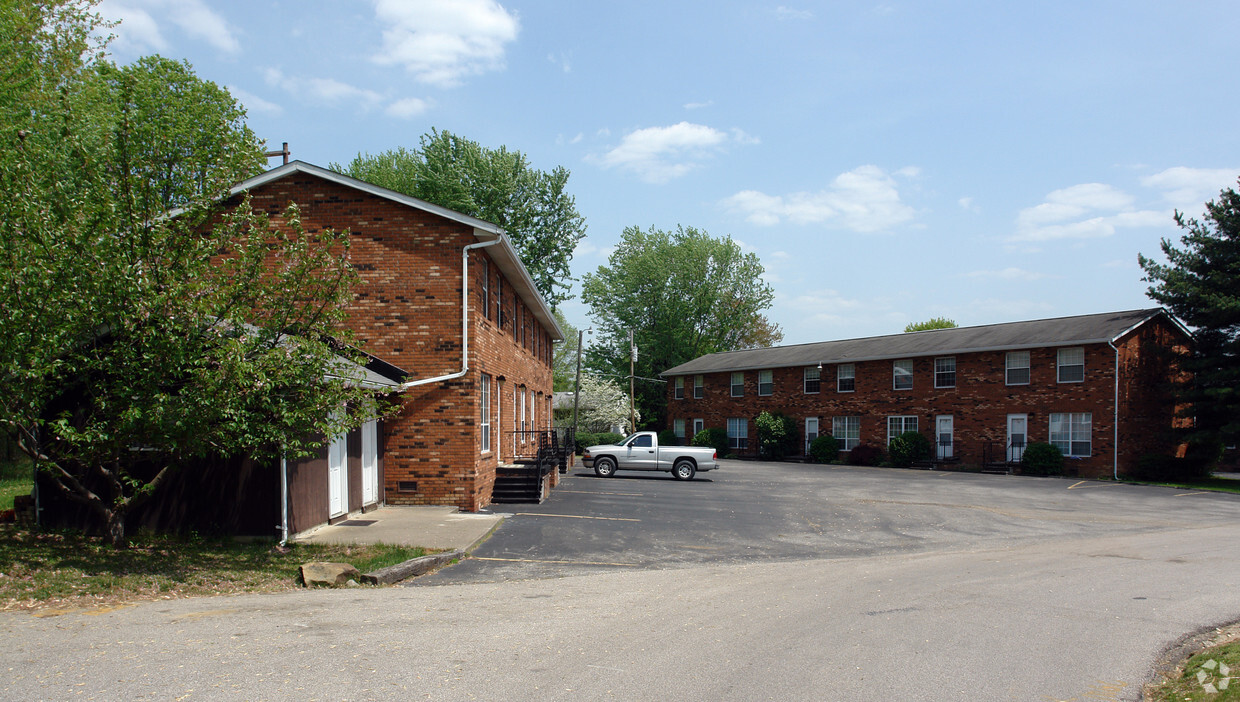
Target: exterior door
x=640 y=454
x=1017 y=432
x=370 y=462
x=811 y=432
x=943 y=436
x=698 y=426
x=337 y=477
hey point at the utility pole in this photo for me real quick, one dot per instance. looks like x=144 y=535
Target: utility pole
x=632 y=363
x=577 y=391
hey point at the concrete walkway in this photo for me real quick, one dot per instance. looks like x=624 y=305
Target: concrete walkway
x=429 y=527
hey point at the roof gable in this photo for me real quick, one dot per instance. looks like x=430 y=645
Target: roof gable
x=1059 y=331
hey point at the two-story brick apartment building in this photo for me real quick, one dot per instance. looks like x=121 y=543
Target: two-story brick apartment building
x=1097 y=386
x=445 y=298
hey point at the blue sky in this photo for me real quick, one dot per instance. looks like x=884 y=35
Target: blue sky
x=888 y=161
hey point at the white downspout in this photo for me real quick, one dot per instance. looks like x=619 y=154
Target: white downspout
x=283 y=500
x=1115 y=419
x=464 y=321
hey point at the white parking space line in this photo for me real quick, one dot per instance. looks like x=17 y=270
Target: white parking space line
x=542 y=560
x=577 y=516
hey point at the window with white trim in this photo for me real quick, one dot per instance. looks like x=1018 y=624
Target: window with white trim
x=486 y=288
x=813 y=380
x=811 y=432
x=678 y=427
x=847 y=431
x=1071 y=433
x=845 y=377
x=1016 y=368
x=1071 y=365
x=738 y=385
x=945 y=372
x=699 y=426
x=699 y=390
x=738 y=433
x=902 y=374
x=766 y=382
x=680 y=388
x=897 y=425
x=485 y=392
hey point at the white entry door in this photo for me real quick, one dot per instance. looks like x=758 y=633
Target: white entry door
x=337 y=477
x=1017 y=431
x=943 y=436
x=811 y=432
x=370 y=462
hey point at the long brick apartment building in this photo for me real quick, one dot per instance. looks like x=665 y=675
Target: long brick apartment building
x=1096 y=386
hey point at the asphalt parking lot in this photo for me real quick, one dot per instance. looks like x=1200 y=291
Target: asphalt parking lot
x=756 y=511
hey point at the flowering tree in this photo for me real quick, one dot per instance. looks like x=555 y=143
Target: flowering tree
x=603 y=405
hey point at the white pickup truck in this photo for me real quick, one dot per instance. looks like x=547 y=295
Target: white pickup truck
x=641 y=451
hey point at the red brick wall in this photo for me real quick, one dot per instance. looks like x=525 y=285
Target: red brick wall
x=407 y=311
x=979 y=403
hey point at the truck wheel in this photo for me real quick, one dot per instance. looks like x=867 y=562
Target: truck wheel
x=684 y=469
x=605 y=467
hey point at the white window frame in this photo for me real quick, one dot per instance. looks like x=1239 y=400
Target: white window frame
x=810 y=434
x=902 y=422
x=485 y=426
x=1011 y=363
x=699 y=384
x=902 y=369
x=769 y=382
x=941 y=372
x=847 y=431
x=738 y=389
x=738 y=433
x=845 y=371
x=679 y=391
x=812 y=374
x=1061 y=363
x=1072 y=433
x=699 y=425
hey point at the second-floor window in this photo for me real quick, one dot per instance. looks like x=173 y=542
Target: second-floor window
x=1016 y=368
x=738 y=385
x=699 y=390
x=680 y=388
x=766 y=382
x=945 y=372
x=813 y=380
x=486 y=288
x=845 y=377
x=902 y=374
x=1071 y=364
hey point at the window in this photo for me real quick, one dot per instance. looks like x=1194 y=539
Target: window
x=811 y=432
x=813 y=380
x=738 y=385
x=678 y=426
x=699 y=426
x=902 y=374
x=680 y=388
x=698 y=389
x=486 y=288
x=847 y=430
x=520 y=399
x=899 y=424
x=499 y=302
x=1070 y=432
x=1071 y=364
x=642 y=441
x=486 y=413
x=738 y=433
x=1017 y=368
x=766 y=382
x=845 y=377
x=945 y=372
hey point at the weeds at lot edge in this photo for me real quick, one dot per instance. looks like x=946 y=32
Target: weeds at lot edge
x=1212 y=484
x=1205 y=668
x=66 y=569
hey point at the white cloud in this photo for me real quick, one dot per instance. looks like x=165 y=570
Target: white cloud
x=326 y=91
x=442 y=43
x=1086 y=211
x=1187 y=187
x=659 y=154
x=254 y=103
x=698 y=105
x=1007 y=274
x=966 y=203
x=407 y=108
x=563 y=61
x=865 y=199
x=140 y=28
x=790 y=13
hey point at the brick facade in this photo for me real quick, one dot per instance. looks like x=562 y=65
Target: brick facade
x=979 y=400
x=407 y=311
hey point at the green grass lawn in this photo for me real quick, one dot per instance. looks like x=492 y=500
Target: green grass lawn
x=1215 y=484
x=66 y=569
x=15 y=479
x=1217 y=666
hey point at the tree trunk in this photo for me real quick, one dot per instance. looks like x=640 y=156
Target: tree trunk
x=116 y=530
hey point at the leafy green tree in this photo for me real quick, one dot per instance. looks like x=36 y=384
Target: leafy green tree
x=495 y=185
x=1200 y=284
x=682 y=294
x=603 y=405
x=564 y=358
x=932 y=323
x=777 y=434
x=132 y=342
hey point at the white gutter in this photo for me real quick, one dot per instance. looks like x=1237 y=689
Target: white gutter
x=1115 y=419
x=464 y=320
